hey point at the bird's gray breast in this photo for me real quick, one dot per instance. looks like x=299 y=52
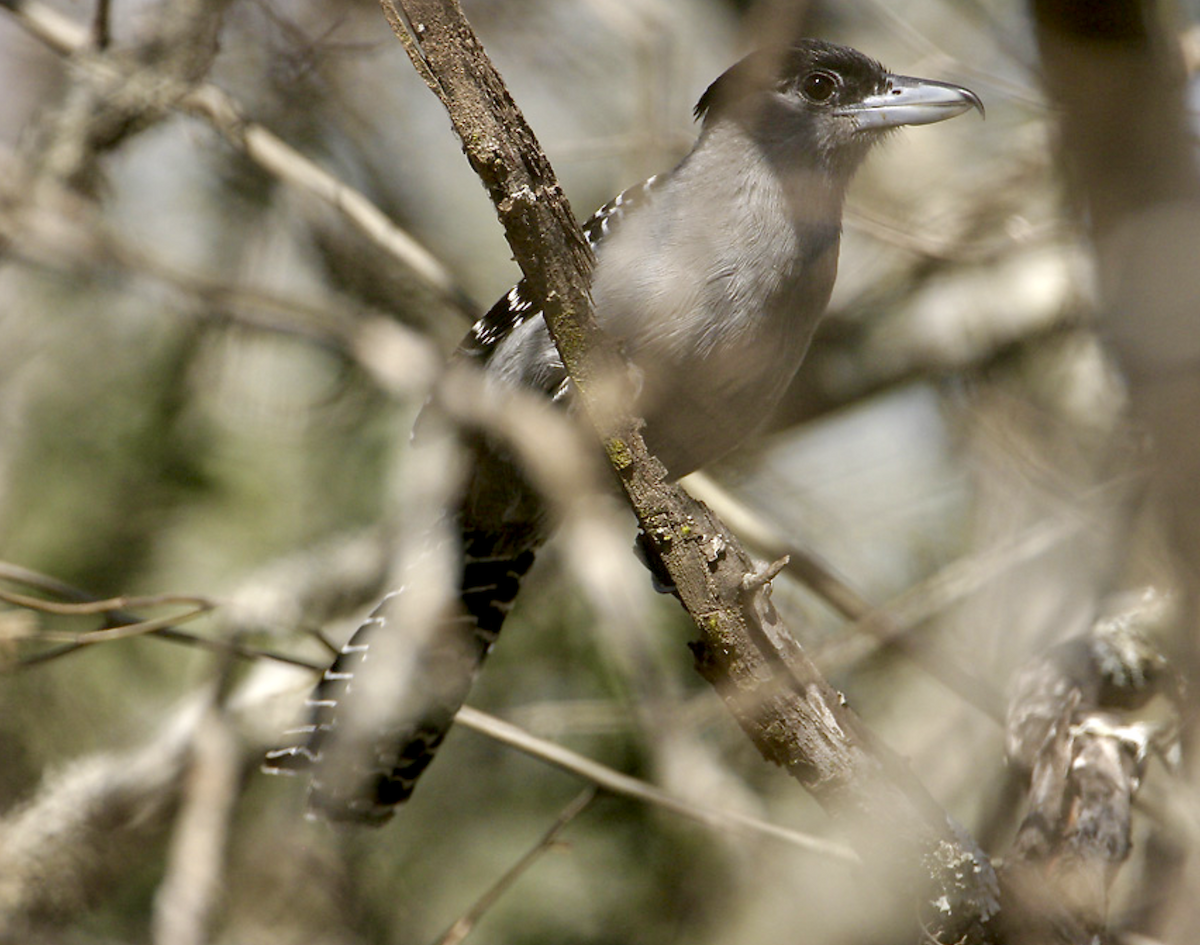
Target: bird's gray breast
x=715 y=302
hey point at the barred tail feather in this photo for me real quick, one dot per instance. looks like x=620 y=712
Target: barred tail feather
x=370 y=738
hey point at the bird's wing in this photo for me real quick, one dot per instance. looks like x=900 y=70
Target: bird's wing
x=519 y=305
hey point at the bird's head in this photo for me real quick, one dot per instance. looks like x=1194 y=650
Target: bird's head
x=827 y=102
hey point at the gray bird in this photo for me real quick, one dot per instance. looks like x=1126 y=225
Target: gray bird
x=713 y=277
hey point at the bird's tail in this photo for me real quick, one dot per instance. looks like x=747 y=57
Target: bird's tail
x=380 y=712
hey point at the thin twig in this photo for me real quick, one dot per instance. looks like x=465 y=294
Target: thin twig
x=18 y=574
x=614 y=782
x=125 y=631
x=87 y=608
x=462 y=927
x=163 y=629
x=174 y=635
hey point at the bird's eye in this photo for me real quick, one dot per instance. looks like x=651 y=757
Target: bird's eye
x=818 y=87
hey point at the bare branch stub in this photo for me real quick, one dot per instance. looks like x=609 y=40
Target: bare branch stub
x=789 y=711
x=1078 y=726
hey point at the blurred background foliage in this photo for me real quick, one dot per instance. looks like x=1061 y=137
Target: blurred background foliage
x=172 y=423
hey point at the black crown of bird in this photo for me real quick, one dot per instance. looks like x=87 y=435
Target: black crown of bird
x=713 y=276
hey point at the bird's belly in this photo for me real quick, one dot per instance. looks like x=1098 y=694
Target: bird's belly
x=716 y=348
x=699 y=410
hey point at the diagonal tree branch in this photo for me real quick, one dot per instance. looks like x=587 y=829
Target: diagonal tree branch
x=794 y=717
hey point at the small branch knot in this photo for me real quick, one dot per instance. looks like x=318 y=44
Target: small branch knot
x=764 y=575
